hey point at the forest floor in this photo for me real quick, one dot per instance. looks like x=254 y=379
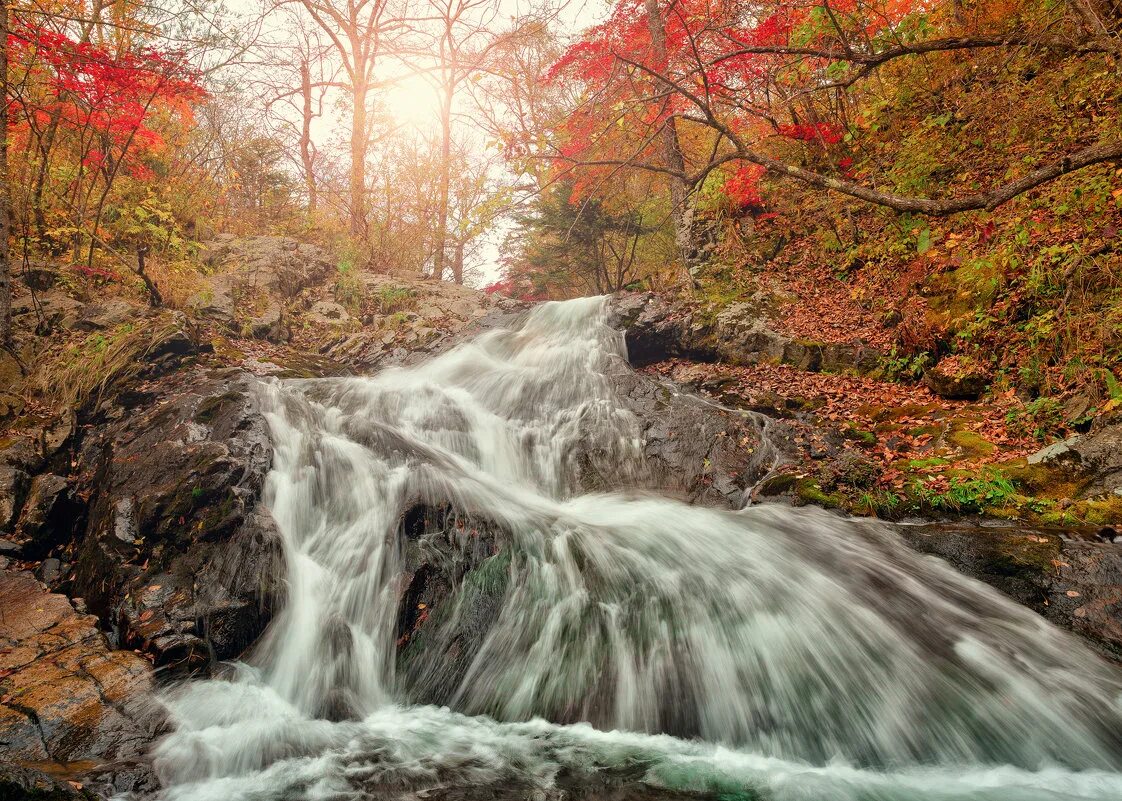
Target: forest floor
x=908 y=451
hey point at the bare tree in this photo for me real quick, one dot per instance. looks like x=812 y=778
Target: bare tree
x=464 y=39
x=359 y=32
x=298 y=76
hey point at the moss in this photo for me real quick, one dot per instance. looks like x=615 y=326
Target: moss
x=923 y=464
x=926 y=431
x=1021 y=554
x=777 y=485
x=970 y=443
x=857 y=434
x=809 y=491
x=493 y=575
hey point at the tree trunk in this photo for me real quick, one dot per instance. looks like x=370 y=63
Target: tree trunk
x=358 y=156
x=680 y=208
x=458 y=264
x=445 y=180
x=5 y=209
x=306 y=138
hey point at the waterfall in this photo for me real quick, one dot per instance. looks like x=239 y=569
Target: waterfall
x=622 y=644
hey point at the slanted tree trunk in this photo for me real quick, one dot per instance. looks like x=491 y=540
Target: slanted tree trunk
x=680 y=207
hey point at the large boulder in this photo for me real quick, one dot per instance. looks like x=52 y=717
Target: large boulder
x=177 y=555
x=1092 y=460
x=253 y=278
x=657 y=329
x=66 y=700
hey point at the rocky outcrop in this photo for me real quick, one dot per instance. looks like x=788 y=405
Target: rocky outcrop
x=1091 y=462
x=177 y=556
x=254 y=278
x=694 y=450
x=657 y=329
x=404 y=321
x=1073 y=580
x=66 y=699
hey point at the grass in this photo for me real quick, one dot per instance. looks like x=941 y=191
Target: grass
x=390 y=299
x=84 y=371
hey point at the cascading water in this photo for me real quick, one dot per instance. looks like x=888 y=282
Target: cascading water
x=796 y=655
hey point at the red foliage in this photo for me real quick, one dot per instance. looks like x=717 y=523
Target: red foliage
x=707 y=59
x=105 y=98
x=824 y=132
x=742 y=188
x=517 y=288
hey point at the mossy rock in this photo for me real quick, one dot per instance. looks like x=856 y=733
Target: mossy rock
x=971 y=443
x=808 y=490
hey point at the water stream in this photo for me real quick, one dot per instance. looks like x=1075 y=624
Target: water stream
x=770 y=653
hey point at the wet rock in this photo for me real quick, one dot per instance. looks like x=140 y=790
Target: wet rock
x=1086 y=593
x=452 y=583
x=177 y=555
x=49 y=516
x=21 y=453
x=14 y=484
x=657 y=329
x=692 y=449
x=19 y=783
x=956 y=378
x=50 y=572
x=65 y=698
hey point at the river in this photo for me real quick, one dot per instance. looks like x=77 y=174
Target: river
x=640 y=647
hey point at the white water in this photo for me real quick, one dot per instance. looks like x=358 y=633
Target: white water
x=802 y=655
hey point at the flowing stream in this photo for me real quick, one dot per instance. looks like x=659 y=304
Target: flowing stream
x=635 y=647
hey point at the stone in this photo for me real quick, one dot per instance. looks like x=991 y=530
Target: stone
x=326 y=312
x=176 y=554
x=956 y=378
x=110 y=314
x=14 y=484
x=1055 y=452
x=67 y=699
x=18 y=783
x=56 y=310
x=49 y=516
x=269 y=325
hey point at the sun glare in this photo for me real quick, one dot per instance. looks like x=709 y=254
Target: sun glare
x=413 y=101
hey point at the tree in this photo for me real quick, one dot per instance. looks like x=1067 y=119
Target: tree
x=567 y=246
x=359 y=31
x=92 y=108
x=299 y=76
x=464 y=41
x=737 y=76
